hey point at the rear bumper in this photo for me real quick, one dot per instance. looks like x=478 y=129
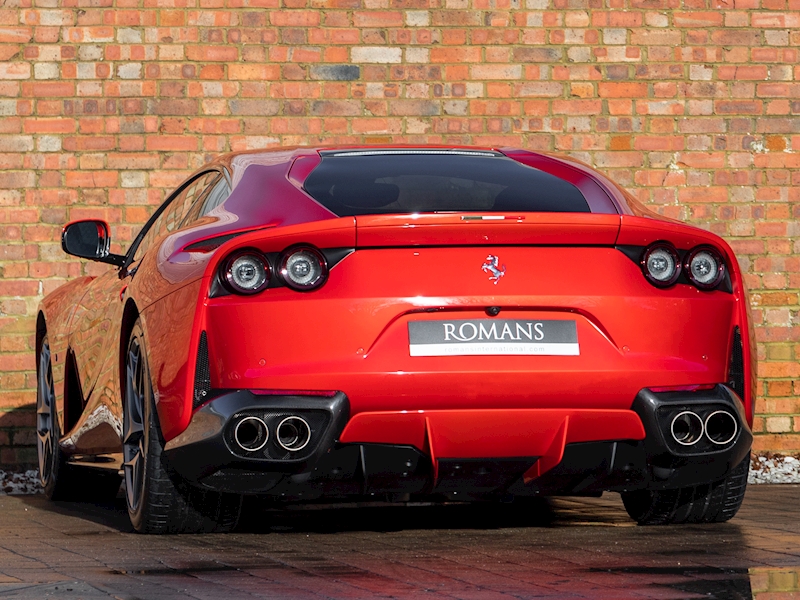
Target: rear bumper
x=456 y=453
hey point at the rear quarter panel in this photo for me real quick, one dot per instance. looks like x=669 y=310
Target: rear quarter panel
x=175 y=314
x=172 y=326
x=57 y=308
x=643 y=231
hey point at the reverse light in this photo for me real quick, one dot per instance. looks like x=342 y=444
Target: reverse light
x=303 y=268
x=246 y=272
x=661 y=264
x=704 y=267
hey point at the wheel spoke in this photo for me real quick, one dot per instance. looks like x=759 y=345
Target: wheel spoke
x=45 y=404
x=133 y=476
x=133 y=426
x=45 y=453
x=137 y=388
x=133 y=363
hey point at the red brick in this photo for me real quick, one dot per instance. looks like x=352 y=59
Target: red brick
x=455 y=54
x=622 y=90
x=212 y=53
x=705 y=194
x=16 y=35
x=49 y=125
x=577 y=107
x=376 y=18
x=171 y=143
x=697 y=19
x=295 y=18
x=89 y=179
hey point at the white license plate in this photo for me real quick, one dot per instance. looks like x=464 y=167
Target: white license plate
x=463 y=337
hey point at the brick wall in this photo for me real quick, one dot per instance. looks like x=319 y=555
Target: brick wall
x=694 y=106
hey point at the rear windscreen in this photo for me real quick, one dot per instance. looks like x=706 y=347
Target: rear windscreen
x=380 y=182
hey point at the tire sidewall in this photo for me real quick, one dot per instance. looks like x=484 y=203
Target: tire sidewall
x=138 y=515
x=51 y=487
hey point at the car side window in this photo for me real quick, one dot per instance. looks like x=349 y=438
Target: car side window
x=218 y=194
x=175 y=210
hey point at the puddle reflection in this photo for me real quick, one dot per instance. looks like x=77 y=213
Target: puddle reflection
x=759 y=583
x=770 y=583
x=580 y=548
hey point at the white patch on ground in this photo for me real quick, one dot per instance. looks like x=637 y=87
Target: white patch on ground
x=20 y=483
x=767 y=468
x=774 y=468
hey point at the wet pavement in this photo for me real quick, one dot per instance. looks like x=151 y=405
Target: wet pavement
x=557 y=548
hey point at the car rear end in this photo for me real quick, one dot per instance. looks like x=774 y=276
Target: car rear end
x=467 y=326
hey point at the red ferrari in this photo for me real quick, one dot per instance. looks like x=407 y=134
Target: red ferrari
x=398 y=323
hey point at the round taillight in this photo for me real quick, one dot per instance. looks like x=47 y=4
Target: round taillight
x=246 y=272
x=661 y=264
x=303 y=268
x=705 y=267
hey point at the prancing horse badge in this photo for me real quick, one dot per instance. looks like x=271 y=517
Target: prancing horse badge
x=492 y=266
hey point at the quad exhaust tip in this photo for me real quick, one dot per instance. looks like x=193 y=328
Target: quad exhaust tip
x=293 y=434
x=721 y=427
x=251 y=434
x=687 y=428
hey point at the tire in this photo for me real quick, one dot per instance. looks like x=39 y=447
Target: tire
x=711 y=503
x=52 y=465
x=60 y=480
x=158 y=500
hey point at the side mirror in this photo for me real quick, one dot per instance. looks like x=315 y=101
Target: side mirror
x=89 y=239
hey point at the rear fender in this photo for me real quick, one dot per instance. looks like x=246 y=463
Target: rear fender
x=174 y=323
x=172 y=329
x=54 y=318
x=643 y=231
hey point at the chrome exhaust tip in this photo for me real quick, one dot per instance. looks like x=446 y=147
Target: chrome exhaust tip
x=687 y=428
x=721 y=427
x=293 y=434
x=251 y=434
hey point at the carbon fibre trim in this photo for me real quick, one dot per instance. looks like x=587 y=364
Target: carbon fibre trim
x=202 y=375
x=736 y=365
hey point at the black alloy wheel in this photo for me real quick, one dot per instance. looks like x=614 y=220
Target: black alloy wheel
x=47 y=430
x=158 y=500
x=137 y=393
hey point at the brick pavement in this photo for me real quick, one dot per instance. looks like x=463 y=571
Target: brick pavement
x=561 y=548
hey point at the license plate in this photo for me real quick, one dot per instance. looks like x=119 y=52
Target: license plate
x=463 y=337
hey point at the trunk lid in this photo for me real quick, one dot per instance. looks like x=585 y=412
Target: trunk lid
x=493 y=229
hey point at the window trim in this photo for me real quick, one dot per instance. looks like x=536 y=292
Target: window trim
x=151 y=221
x=203 y=198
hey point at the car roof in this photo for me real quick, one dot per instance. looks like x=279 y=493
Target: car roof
x=236 y=162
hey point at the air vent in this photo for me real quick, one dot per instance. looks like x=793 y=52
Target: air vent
x=202 y=375
x=736 y=365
